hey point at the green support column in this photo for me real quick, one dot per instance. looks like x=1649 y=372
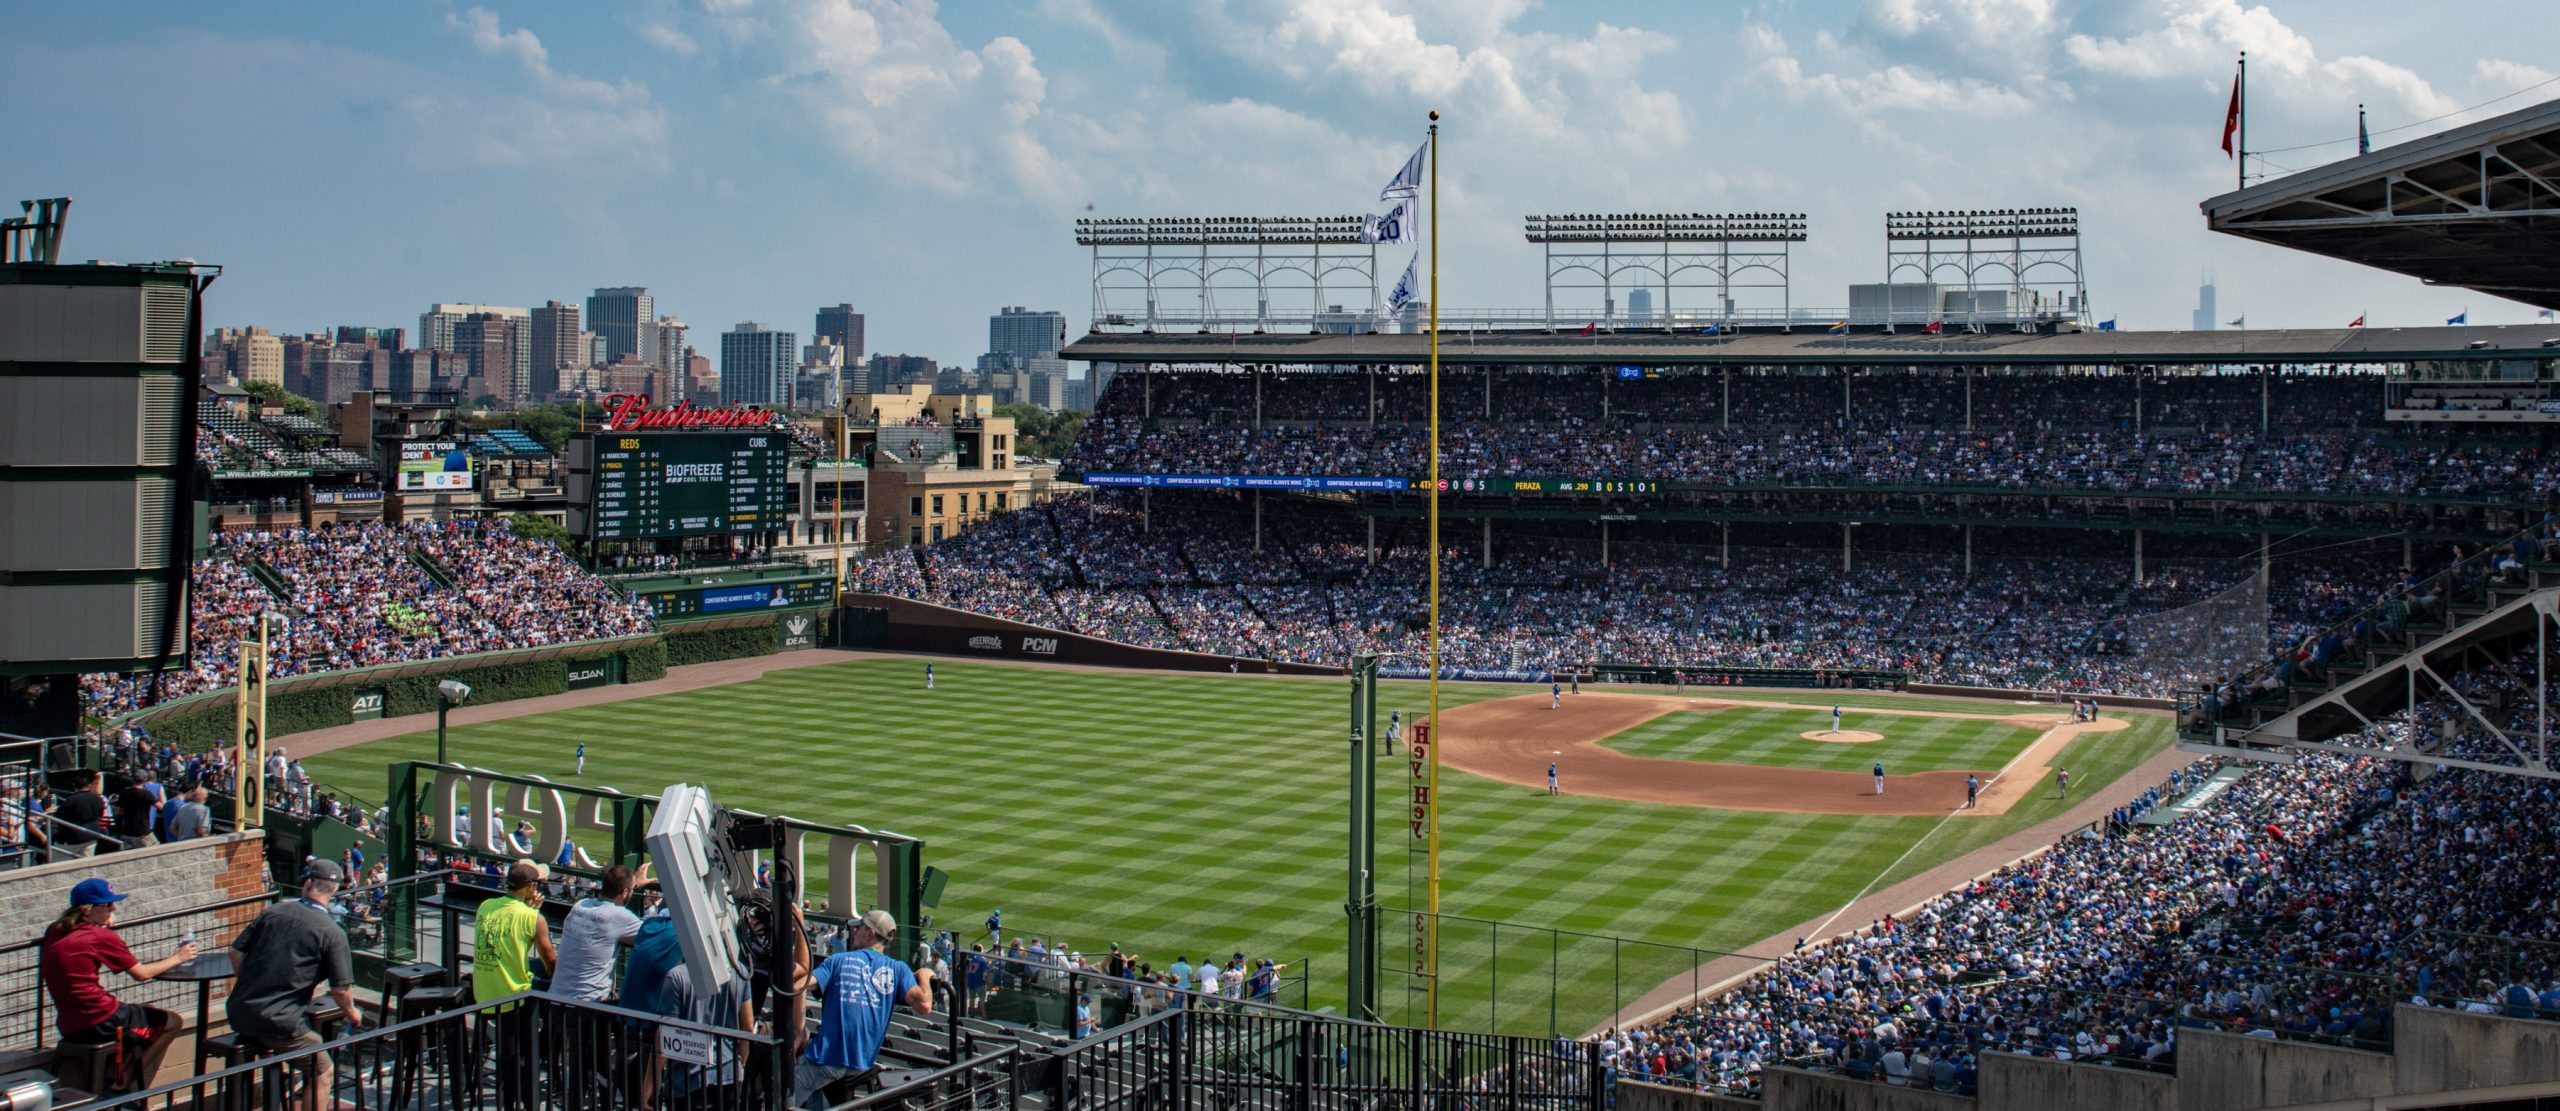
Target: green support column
x=1362 y=907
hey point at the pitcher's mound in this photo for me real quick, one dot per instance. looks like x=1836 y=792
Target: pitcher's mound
x=1843 y=737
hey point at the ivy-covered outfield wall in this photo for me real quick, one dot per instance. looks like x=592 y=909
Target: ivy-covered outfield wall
x=307 y=702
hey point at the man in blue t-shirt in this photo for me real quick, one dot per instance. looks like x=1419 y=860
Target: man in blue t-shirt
x=856 y=991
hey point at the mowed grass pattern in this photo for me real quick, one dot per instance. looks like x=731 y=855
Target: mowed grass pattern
x=1183 y=815
x=1773 y=738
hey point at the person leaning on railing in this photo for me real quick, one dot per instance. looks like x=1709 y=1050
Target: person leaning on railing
x=77 y=949
x=281 y=956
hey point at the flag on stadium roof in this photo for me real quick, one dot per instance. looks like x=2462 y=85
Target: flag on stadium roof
x=1388 y=228
x=2364 y=142
x=1406 y=286
x=2241 y=322
x=2231 y=118
x=1840 y=329
x=2107 y=325
x=2463 y=317
x=1718 y=329
x=1935 y=327
x=1408 y=181
x=2358 y=322
x=1591 y=328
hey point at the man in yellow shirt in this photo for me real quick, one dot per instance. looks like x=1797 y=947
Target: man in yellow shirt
x=507 y=932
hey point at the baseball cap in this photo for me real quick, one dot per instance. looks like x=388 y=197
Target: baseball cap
x=526 y=873
x=326 y=871
x=881 y=922
x=93 y=892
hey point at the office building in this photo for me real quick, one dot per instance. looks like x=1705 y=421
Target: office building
x=625 y=316
x=701 y=380
x=503 y=329
x=843 y=325
x=555 y=346
x=246 y=355
x=758 y=365
x=1640 y=306
x=671 y=355
x=1019 y=333
x=2206 y=310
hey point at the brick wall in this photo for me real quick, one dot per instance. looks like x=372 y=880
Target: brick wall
x=160 y=880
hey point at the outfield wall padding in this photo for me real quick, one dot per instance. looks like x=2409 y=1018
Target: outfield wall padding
x=924 y=627
x=2121 y=701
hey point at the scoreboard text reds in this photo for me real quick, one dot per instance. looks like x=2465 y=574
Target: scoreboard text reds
x=689 y=483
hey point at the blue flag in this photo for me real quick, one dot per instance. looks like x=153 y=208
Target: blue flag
x=1712 y=330
x=2463 y=317
x=1406 y=287
x=1408 y=181
x=2107 y=325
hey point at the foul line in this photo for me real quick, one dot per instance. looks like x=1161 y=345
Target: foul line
x=1816 y=932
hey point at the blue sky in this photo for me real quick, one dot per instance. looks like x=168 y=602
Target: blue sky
x=753 y=159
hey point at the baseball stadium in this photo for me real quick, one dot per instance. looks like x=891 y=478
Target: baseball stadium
x=1950 y=701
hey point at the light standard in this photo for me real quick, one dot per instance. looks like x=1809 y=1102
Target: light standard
x=449 y=694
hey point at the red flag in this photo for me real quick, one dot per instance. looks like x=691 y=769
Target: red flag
x=2231 y=119
x=1590 y=328
x=2358 y=322
x=1935 y=327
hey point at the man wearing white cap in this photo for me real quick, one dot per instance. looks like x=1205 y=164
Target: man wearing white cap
x=856 y=989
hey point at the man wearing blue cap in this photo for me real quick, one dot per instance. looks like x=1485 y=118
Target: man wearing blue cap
x=77 y=950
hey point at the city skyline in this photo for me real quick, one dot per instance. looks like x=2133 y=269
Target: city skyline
x=899 y=155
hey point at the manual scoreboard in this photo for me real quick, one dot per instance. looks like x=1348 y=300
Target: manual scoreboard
x=632 y=486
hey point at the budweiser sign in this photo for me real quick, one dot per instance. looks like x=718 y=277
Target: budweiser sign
x=631 y=412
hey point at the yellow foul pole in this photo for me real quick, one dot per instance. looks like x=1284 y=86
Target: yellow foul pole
x=1431 y=935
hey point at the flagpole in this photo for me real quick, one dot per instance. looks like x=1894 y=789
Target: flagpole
x=2242 y=162
x=1431 y=939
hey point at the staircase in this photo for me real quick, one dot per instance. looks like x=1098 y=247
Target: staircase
x=2402 y=651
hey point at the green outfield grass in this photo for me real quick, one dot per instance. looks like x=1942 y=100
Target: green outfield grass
x=1182 y=815
x=1773 y=738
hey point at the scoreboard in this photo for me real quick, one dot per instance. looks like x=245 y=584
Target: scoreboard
x=637 y=485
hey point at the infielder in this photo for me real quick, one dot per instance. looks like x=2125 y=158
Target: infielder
x=1555 y=695
x=1879 y=777
x=1551 y=777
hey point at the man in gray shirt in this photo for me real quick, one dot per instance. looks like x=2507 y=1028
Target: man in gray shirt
x=596 y=928
x=192 y=818
x=288 y=950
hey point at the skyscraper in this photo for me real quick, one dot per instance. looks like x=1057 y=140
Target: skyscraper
x=843 y=325
x=1017 y=333
x=555 y=345
x=758 y=365
x=1640 y=306
x=2205 y=311
x=441 y=327
x=671 y=354
x=623 y=315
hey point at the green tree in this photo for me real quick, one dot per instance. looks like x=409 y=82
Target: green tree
x=548 y=424
x=294 y=403
x=534 y=527
x=1039 y=432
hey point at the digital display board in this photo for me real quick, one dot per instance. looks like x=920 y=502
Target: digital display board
x=1377 y=483
x=436 y=467
x=665 y=484
x=692 y=601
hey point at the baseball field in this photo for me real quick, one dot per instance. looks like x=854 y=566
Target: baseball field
x=1187 y=815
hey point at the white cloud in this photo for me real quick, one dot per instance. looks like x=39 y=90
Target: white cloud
x=668 y=39
x=1892 y=88
x=899 y=93
x=571 y=118
x=2196 y=37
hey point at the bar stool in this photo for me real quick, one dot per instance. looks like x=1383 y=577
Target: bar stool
x=413 y=1047
x=400 y=980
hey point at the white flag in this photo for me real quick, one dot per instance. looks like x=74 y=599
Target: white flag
x=1407 y=287
x=1388 y=228
x=1408 y=181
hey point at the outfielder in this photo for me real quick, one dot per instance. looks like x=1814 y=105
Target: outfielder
x=1395 y=729
x=928 y=676
x=582 y=758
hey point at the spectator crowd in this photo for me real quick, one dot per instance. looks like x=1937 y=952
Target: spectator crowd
x=358 y=595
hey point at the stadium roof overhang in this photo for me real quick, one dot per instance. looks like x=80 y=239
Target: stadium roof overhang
x=1812 y=347
x=2477 y=207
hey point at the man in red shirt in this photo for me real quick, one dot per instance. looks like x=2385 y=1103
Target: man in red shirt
x=77 y=949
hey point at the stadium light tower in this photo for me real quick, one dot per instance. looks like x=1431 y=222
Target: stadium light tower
x=2021 y=244
x=1667 y=251
x=1151 y=257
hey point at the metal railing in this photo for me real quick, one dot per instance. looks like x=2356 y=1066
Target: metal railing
x=514 y=1054
x=27 y=1015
